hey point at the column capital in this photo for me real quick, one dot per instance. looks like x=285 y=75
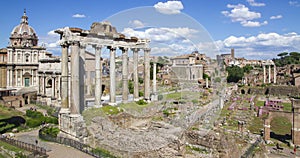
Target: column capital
x=111 y=47
x=97 y=46
x=64 y=44
x=75 y=42
x=124 y=48
x=135 y=49
x=147 y=49
x=83 y=45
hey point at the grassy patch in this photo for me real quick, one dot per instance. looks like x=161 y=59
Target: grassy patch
x=6 y=112
x=111 y=110
x=256 y=125
x=10 y=147
x=260 y=103
x=175 y=96
x=91 y=113
x=200 y=150
x=281 y=125
x=287 y=106
x=50 y=110
x=103 y=153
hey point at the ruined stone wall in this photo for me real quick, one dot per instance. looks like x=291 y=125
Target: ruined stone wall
x=271 y=90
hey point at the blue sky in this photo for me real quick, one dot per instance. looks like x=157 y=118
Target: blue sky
x=257 y=29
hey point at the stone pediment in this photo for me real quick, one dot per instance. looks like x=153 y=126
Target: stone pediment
x=103 y=28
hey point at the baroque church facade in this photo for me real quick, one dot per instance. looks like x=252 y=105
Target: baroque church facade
x=31 y=74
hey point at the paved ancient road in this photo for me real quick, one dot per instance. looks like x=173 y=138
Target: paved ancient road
x=54 y=150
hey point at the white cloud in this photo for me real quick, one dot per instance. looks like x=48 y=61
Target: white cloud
x=162 y=34
x=241 y=13
x=261 y=46
x=294 y=3
x=253 y=23
x=276 y=17
x=52 y=34
x=136 y=24
x=51 y=42
x=255 y=4
x=78 y=16
x=169 y=7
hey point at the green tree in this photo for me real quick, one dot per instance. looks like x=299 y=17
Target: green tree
x=247 y=68
x=235 y=74
x=282 y=54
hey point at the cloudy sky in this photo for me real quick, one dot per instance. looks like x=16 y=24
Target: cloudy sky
x=257 y=29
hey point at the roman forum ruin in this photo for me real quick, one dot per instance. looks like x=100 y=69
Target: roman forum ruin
x=101 y=36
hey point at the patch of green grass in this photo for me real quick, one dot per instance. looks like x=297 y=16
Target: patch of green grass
x=10 y=147
x=200 y=150
x=50 y=110
x=6 y=112
x=103 y=153
x=256 y=125
x=281 y=125
x=287 y=106
x=260 y=103
x=111 y=110
x=175 y=96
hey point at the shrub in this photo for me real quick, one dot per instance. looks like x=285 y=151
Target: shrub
x=141 y=102
x=51 y=131
x=32 y=123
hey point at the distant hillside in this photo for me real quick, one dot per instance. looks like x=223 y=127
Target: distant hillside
x=287 y=58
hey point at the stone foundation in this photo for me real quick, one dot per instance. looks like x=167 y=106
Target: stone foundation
x=72 y=124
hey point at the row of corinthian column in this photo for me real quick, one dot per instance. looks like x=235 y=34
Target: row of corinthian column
x=78 y=72
x=269 y=78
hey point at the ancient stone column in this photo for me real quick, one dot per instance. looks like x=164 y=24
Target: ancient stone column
x=112 y=76
x=275 y=73
x=296 y=122
x=135 y=74
x=98 y=84
x=269 y=73
x=147 y=73
x=154 y=98
x=75 y=85
x=64 y=77
x=267 y=129
x=264 y=69
x=125 y=74
x=82 y=76
x=53 y=87
x=154 y=77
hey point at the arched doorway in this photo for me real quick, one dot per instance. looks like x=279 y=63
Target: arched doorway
x=27 y=79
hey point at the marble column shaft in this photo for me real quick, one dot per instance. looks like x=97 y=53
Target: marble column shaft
x=64 y=92
x=275 y=73
x=125 y=74
x=135 y=73
x=264 y=69
x=154 y=78
x=112 y=74
x=98 y=84
x=82 y=76
x=269 y=74
x=147 y=73
x=75 y=88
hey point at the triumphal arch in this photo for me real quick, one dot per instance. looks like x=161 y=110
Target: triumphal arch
x=101 y=36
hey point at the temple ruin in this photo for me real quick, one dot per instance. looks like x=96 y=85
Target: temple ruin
x=100 y=36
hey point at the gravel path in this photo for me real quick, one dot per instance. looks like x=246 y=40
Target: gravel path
x=54 y=150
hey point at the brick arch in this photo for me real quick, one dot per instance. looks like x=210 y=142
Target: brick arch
x=294 y=118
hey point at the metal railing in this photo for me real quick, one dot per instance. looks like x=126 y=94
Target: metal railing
x=26 y=146
x=77 y=145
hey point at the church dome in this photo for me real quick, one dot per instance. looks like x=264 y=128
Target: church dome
x=23 y=35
